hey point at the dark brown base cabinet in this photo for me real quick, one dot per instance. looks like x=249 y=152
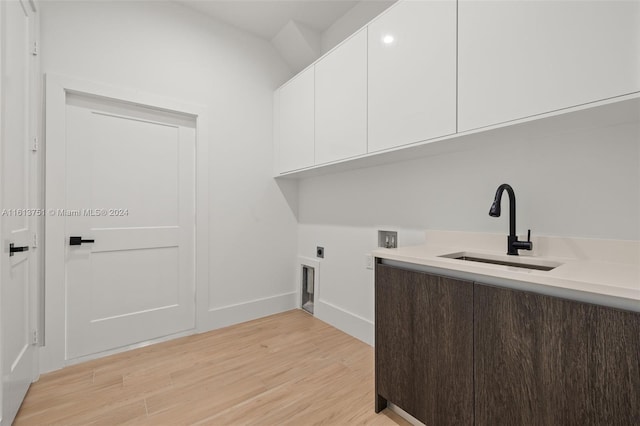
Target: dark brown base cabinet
x=542 y=360
x=452 y=352
x=424 y=345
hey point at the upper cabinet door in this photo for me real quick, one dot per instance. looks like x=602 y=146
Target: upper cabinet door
x=412 y=74
x=295 y=127
x=341 y=101
x=522 y=58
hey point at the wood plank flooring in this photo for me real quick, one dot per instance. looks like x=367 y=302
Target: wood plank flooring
x=285 y=369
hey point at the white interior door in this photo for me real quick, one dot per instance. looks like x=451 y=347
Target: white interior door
x=17 y=350
x=130 y=189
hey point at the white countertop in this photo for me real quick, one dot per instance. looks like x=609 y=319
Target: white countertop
x=603 y=272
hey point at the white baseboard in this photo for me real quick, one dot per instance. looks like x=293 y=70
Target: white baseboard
x=355 y=325
x=246 y=311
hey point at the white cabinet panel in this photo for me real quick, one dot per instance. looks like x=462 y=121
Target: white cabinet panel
x=295 y=136
x=521 y=58
x=412 y=74
x=341 y=101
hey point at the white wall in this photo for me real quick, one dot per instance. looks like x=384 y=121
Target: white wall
x=166 y=49
x=357 y=17
x=575 y=182
x=298 y=44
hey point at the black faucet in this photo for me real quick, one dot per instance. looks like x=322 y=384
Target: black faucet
x=513 y=245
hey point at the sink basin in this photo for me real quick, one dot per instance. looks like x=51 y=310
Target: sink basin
x=513 y=261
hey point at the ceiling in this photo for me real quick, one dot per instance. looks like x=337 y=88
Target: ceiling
x=265 y=18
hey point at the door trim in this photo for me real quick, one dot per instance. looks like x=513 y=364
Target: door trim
x=52 y=355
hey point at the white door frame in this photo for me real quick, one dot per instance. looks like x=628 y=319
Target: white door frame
x=52 y=354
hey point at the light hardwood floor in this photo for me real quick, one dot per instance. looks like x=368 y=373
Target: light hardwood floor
x=285 y=369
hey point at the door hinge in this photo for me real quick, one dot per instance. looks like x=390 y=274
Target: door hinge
x=34 y=337
x=34 y=50
x=35 y=240
x=35 y=145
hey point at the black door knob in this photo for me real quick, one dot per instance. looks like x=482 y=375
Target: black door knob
x=76 y=241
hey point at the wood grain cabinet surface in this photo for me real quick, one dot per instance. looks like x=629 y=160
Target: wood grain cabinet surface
x=542 y=360
x=424 y=345
x=452 y=352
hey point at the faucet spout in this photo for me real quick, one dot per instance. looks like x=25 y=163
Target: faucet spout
x=513 y=245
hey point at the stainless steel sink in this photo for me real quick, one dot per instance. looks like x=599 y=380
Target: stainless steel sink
x=513 y=261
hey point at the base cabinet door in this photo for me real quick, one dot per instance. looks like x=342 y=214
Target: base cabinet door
x=541 y=360
x=424 y=345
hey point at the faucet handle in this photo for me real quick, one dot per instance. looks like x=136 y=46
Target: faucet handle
x=528 y=244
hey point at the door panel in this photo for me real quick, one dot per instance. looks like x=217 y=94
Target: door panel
x=130 y=188
x=150 y=281
x=15 y=286
x=134 y=146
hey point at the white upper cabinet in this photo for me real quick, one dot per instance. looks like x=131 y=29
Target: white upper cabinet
x=412 y=74
x=430 y=69
x=295 y=123
x=341 y=101
x=522 y=58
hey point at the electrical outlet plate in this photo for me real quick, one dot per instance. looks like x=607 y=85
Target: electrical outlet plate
x=368 y=261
